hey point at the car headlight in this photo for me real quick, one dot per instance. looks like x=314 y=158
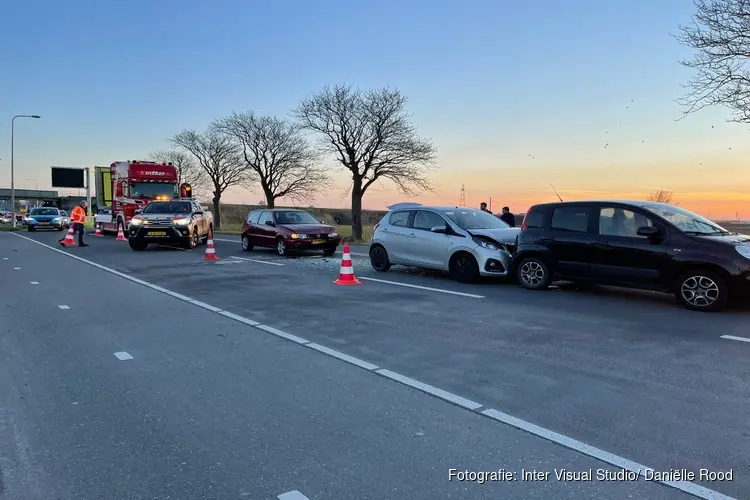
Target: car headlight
x=136 y=222
x=296 y=236
x=485 y=244
x=182 y=222
x=333 y=235
x=743 y=250
x=31 y=219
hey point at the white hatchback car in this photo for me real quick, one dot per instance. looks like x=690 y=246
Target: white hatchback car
x=465 y=242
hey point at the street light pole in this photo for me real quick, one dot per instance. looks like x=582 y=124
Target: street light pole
x=12 y=169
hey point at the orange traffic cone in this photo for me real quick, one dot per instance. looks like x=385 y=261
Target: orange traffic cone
x=98 y=230
x=120 y=234
x=69 y=240
x=346 y=274
x=210 y=251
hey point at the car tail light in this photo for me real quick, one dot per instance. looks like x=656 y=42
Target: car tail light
x=525 y=218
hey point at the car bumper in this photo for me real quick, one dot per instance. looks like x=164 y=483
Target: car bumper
x=162 y=235
x=39 y=225
x=311 y=244
x=493 y=262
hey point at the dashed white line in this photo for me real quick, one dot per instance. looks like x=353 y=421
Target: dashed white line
x=16 y=268
x=428 y=288
x=5 y=258
x=688 y=487
x=292 y=495
x=732 y=337
x=123 y=356
x=34 y=282
x=205 y=306
x=343 y=357
x=282 y=334
x=269 y=262
x=444 y=395
x=604 y=456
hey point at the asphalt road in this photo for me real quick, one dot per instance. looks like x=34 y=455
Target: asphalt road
x=629 y=373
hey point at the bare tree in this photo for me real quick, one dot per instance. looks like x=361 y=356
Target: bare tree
x=720 y=35
x=277 y=153
x=371 y=135
x=219 y=158
x=188 y=169
x=660 y=196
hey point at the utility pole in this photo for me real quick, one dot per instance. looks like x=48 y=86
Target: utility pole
x=462 y=201
x=490 y=203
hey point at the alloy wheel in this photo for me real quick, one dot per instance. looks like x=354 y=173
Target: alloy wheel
x=699 y=291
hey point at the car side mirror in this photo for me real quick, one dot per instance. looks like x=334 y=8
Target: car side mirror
x=440 y=229
x=269 y=223
x=138 y=211
x=648 y=231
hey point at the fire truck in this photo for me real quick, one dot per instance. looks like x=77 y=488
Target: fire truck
x=127 y=186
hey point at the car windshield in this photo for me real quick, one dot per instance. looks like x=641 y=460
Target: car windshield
x=295 y=217
x=167 y=207
x=471 y=218
x=686 y=220
x=152 y=189
x=44 y=211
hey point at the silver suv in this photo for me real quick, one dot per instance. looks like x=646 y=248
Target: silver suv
x=465 y=242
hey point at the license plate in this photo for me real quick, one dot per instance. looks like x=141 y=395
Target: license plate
x=43 y=222
x=318 y=242
x=157 y=233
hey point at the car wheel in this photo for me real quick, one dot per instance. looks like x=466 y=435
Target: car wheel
x=534 y=274
x=192 y=242
x=31 y=229
x=281 y=247
x=246 y=245
x=138 y=246
x=463 y=268
x=702 y=290
x=379 y=259
x=60 y=228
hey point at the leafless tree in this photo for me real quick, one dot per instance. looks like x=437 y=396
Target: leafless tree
x=661 y=196
x=277 y=154
x=720 y=35
x=188 y=169
x=371 y=135
x=219 y=158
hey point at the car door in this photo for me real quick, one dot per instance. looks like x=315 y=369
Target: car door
x=397 y=236
x=425 y=248
x=251 y=226
x=199 y=219
x=620 y=255
x=569 y=240
x=264 y=233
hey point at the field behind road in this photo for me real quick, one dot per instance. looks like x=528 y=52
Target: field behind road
x=628 y=372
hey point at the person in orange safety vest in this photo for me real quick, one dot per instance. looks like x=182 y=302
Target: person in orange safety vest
x=78 y=218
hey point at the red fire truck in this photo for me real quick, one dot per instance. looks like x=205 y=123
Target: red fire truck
x=127 y=186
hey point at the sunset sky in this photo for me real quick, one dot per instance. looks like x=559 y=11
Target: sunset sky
x=515 y=95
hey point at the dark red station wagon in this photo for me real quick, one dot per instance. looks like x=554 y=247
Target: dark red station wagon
x=287 y=230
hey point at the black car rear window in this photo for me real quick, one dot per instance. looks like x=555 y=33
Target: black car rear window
x=570 y=219
x=535 y=219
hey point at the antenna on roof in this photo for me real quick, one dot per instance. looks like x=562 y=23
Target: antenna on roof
x=556 y=193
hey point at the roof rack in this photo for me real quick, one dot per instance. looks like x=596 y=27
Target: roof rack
x=399 y=206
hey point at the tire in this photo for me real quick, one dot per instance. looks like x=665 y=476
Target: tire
x=137 y=246
x=192 y=242
x=329 y=252
x=702 y=290
x=246 y=245
x=60 y=228
x=281 y=247
x=534 y=274
x=379 y=259
x=31 y=229
x=463 y=268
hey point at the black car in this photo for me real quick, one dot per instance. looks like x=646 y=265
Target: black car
x=635 y=244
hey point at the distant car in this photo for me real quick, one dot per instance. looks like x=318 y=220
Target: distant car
x=45 y=218
x=288 y=230
x=636 y=244
x=181 y=221
x=465 y=242
x=5 y=219
x=65 y=218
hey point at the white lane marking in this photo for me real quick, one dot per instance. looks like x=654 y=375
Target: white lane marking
x=732 y=337
x=444 y=395
x=604 y=456
x=63 y=307
x=428 y=288
x=337 y=251
x=235 y=317
x=343 y=357
x=205 y=306
x=692 y=488
x=292 y=495
x=228 y=241
x=282 y=334
x=179 y=296
x=16 y=268
x=123 y=356
x=34 y=282
x=5 y=258
x=269 y=262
